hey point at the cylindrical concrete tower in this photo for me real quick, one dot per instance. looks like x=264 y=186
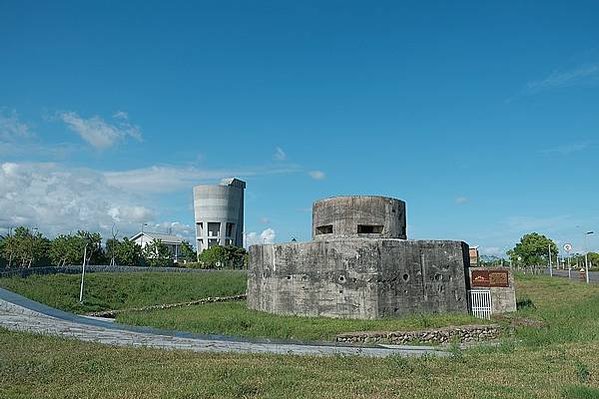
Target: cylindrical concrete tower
x=219 y=214
x=359 y=216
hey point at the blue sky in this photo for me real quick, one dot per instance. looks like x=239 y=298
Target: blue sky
x=482 y=116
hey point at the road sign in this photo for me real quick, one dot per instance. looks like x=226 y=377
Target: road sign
x=567 y=247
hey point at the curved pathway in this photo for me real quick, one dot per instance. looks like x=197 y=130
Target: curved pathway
x=18 y=313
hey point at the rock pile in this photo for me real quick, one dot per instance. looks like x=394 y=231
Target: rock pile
x=467 y=333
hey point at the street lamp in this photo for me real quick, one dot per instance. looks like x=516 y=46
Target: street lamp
x=586 y=254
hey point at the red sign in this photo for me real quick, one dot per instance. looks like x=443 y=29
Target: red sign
x=499 y=278
x=480 y=278
x=490 y=278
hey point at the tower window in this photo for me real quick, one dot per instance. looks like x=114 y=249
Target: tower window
x=229 y=232
x=327 y=229
x=213 y=229
x=370 y=229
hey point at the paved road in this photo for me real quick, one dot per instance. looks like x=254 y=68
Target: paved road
x=593 y=276
x=18 y=313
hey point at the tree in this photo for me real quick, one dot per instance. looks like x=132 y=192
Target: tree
x=69 y=249
x=127 y=252
x=213 y=258
x=187 y=252
x=593 y=259
x=64 y=250
x=25 y=248
x=227 y=257
x=533 y=250
x=3 y=260
x=157 y=254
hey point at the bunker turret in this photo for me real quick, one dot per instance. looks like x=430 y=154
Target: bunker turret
x=358 y=216
x=359 y=265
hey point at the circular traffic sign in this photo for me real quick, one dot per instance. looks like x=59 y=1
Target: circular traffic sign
x=567 y=247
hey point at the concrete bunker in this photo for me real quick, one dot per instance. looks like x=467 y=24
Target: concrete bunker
x=359 y=265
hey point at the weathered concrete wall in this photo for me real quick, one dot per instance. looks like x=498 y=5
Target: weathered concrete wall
x=358 y=278
x=503 y=299
x=343 y=215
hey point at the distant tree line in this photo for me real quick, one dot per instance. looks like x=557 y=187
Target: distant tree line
x=534 y=249
x=25 y=248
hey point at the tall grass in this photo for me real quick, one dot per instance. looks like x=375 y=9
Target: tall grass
x=234 y=318
x=104 y=291
x=569 y=311
x=46 y=367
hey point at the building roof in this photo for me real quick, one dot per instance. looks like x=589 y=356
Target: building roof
x=165 y=238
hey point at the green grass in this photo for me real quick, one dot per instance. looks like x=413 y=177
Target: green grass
x=234 y=318
x=558 y=360
x=47 y=367
x=568 y=310
x=105 y=291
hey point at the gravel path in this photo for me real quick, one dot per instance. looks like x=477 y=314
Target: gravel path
x=18 y=313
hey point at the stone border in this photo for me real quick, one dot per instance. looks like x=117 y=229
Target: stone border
x=101 y=269
x=462 y=334
x=113 y=313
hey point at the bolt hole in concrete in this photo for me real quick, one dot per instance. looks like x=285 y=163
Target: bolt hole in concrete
x=288 y=277
x=341 y=279
x=405 y=277
x=369 y=229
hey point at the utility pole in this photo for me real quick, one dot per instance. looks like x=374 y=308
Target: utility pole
x=586 y=254
x=550 y=266
x=83 y=273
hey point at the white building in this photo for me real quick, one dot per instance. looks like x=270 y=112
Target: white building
x=219 y=214
x=172 y=242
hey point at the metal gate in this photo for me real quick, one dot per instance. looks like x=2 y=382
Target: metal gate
x=480 y=303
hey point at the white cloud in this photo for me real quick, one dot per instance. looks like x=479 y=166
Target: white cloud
x=11 y=128
x=59 y=200
x=182 y=230
x=566 y=149
x=528 y=224
x=317 y=174
x=461 y=200
x=491 y=251
x=279 y=155
x=164 y=179
x=99 y=133
x=588 y=74
x=266 y=237
x=18 y=140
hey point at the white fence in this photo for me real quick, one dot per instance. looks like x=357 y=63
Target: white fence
x=480 y=303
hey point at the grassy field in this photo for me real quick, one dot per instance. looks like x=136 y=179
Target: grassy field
x=105 y=291
x=233 y=318
x=551 y=354
x=568 y=311
x=47 y=367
